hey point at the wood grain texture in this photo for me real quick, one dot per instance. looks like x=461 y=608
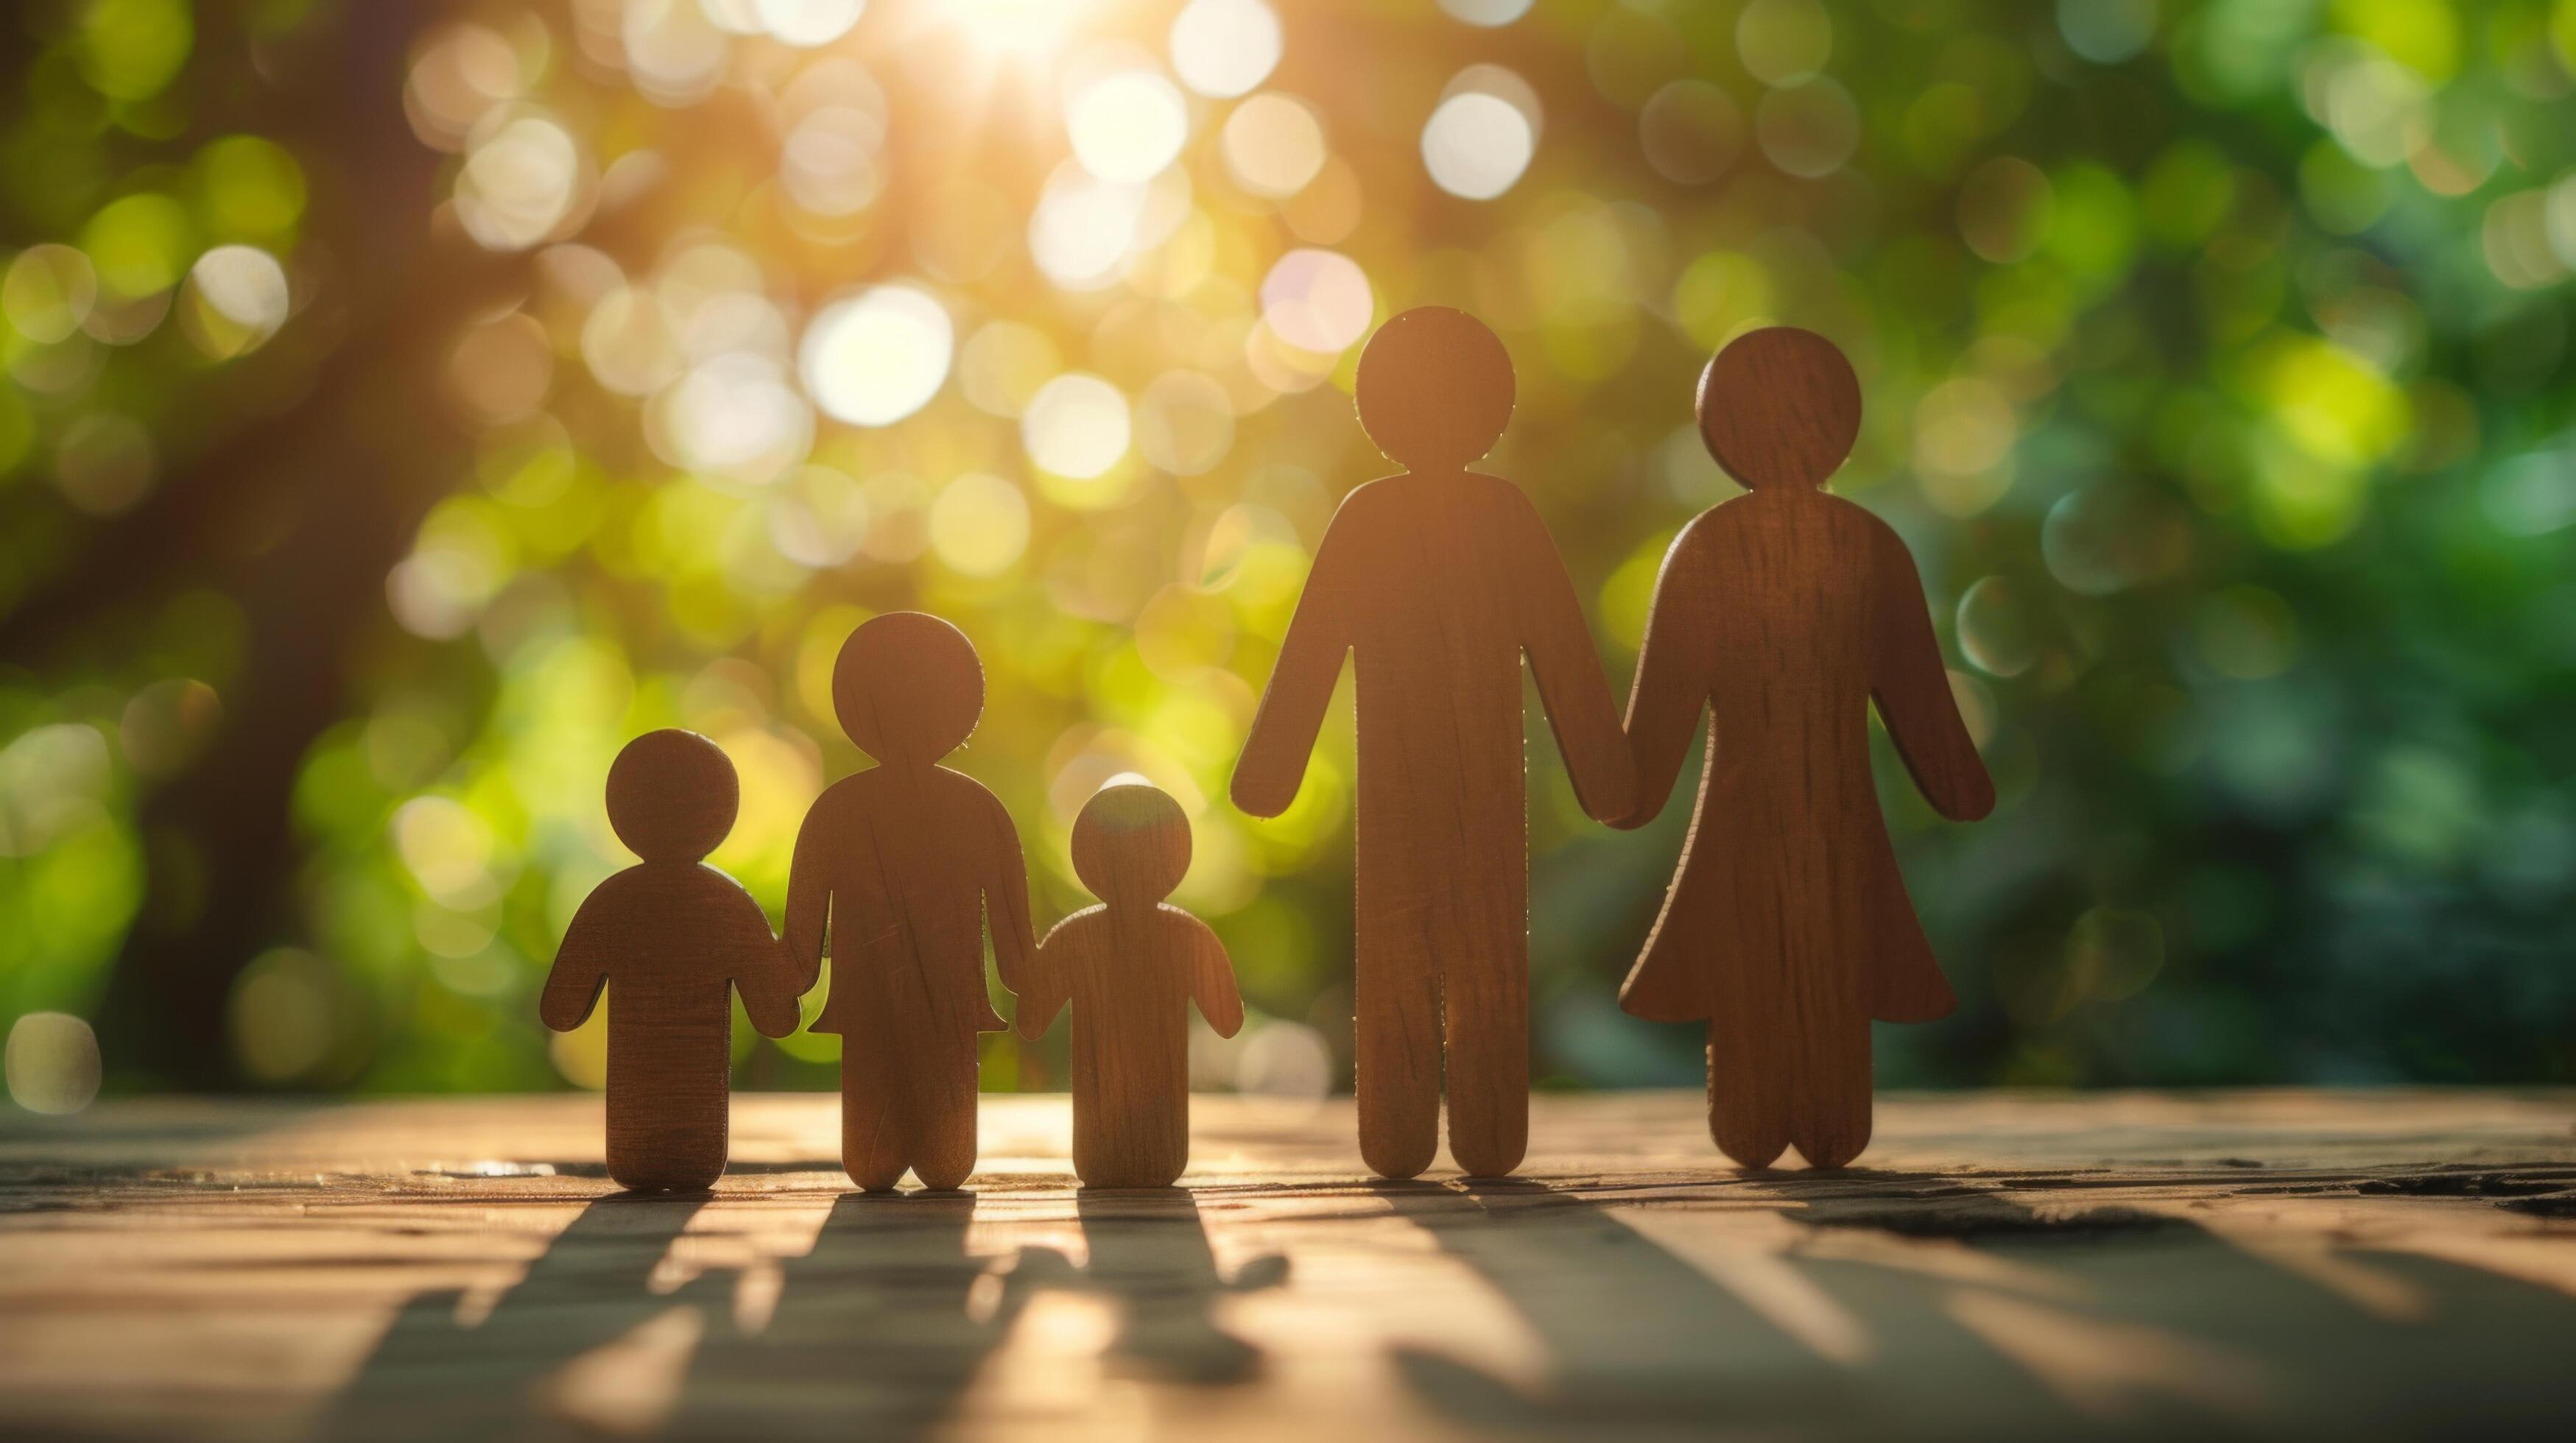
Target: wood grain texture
x=1784 y=613
x=899 y=873
x=2032 y=1265
x=1437 y=583
x=1131 y=968
x=669 y=941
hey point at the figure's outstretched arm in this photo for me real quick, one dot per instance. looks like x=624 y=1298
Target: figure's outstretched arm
x=1571 y=685
x=1044 y=986
x=1006 y=895
x=1301 y=685
x=1671 y=688
x=1212 y=980
x=1912 y=689
x=809 y=897
x=580 y=970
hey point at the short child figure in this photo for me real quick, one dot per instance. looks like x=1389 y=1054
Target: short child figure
x=1131 y=967
x=670 y=938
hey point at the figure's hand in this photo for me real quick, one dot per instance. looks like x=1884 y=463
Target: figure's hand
x=1261 y=790
x=1632 y=819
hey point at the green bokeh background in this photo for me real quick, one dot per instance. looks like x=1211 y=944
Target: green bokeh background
x=403 y=410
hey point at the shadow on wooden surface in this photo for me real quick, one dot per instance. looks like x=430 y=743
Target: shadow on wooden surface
x=446 y=1368
x=878 y=1330
x=2015 y=1321
x=1149 y=1254
x=2394 y=1263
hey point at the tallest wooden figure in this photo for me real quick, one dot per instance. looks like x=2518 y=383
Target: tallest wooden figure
x=1437 y=582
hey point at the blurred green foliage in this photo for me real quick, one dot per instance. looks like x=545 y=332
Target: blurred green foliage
x=409 y=403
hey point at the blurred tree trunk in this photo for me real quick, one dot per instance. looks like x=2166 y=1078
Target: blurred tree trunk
x=296 y=516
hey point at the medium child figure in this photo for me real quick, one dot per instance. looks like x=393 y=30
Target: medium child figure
x=1131 y=967
x=669 y=939
x=898 y=870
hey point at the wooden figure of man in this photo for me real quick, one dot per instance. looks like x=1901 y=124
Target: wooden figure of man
x=1131 y=967
x=1437 y=582
x=1787 y=612
x=897 y=873
x=670 y=938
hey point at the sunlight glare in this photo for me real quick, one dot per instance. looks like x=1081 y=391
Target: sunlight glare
x=1015 y=27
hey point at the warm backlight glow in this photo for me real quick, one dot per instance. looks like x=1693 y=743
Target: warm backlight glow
x=1014 y=27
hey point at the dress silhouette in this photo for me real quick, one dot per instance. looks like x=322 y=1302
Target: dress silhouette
x=1786 y=612
x=1437 y=582
x=898 y=870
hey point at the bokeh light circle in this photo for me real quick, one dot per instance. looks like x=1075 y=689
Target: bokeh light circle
x=1273 y=145
x=877 y=357
x=1076 y=425
x=1127 y=126
x=1317 y=300
x=808 y=23
x=1223 y=48
x=1476 y=145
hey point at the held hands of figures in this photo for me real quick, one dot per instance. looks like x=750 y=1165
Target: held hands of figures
x=1784 y=614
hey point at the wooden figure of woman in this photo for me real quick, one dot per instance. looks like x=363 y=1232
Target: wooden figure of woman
x=1131 y=967
x=1786 y=612
x=899 y=871
x=1437 y=583
x=669 y=940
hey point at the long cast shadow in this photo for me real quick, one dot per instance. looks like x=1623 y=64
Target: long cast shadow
x=878 y=1331
x=1149 y=1253
x=434 y=1375
x=1635 y=1338
x=2322 y=1337
x=1931 y=1306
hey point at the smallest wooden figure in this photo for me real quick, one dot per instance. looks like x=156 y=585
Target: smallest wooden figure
x=670 y=937
x=1131 y=967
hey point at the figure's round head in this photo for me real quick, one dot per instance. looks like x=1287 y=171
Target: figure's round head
x=1435 y=389
x=672 y=795
x=1779 y=407
x=1131 y=844
x=908 y=688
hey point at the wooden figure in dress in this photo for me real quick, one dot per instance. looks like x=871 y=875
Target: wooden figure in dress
x=1437 y=582
x=898 y=871
x=1786 y=612
x=1131 y=967
x=670 y=939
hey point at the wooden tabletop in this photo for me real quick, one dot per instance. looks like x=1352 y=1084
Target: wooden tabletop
x=2280 y=1263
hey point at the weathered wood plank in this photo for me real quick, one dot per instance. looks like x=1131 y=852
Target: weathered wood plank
x=2270 y=1263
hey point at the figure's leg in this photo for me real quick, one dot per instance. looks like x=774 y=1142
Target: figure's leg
x=1830 y=1117
x=872 y=1133
x=943 y=1124
x=1747 y=1117
x=666 y=1108
x=1484 y=970
x=1395 y=1015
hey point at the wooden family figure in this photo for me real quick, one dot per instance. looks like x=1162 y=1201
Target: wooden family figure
x=1784 y=614
x=670 y=939
x=897 y=871
x=1131 y=967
